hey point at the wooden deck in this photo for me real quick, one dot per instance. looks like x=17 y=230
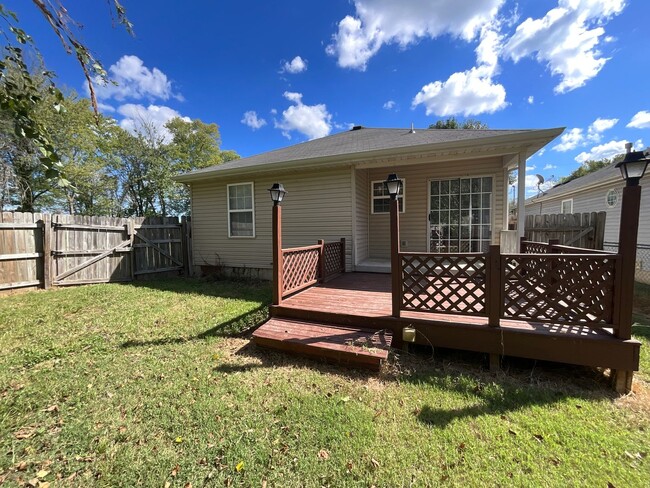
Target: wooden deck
x=363 y=300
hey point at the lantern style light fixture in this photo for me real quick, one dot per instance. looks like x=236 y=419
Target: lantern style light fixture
x=393 y=185
x=277 y=192
x=634 y=165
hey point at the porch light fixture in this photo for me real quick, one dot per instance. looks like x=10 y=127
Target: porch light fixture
x=393 y=185
x=277 y=192
x=634 y=165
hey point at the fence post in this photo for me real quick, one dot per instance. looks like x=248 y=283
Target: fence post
x=277 y=255
x=494 y=286
x=47 y=251
x=130 y=228
x=342 y=254
x=395 y=265
x=184 y=243
x=321 y=260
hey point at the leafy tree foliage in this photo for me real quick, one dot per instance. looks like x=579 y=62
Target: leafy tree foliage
x=589 y=167
x=452 y=123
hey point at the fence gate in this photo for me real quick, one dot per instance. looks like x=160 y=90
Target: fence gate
x=44 y=250
x=579 y=230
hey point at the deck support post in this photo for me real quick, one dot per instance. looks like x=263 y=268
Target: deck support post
x=494 y=286
x=622 y=381
x=627 y=242
x=277 y=255
x=522 y=245
x=495 y=362
x=396 y=288
x=342 y=254
x=321 y=261
x=521 y=195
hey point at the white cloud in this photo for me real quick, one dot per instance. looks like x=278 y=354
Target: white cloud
x=606 y=151
x=570 y=140
x=252 y=120
x=313 y=121
x=390 y=105
x=531 y=99
x=138 y=118
x=297 y=65
x=566 y=39
x=641 y=120
x=105 y=107
x=470 y=92
x=549 y=166
x=379 y=22
x=598 y=126
x=135 y=81
x=541 y=152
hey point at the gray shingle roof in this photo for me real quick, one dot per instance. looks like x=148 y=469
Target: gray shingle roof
x=357 y=142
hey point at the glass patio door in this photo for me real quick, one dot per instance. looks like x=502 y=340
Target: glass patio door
x=460 y=215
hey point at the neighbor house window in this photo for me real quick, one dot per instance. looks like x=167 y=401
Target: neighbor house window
x=567 y=206
x=612 y=197
x=241 y=213
x=381 y=198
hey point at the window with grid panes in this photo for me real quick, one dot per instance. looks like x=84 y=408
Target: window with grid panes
x=381 y=197
x=241 y=213
x=460 y=215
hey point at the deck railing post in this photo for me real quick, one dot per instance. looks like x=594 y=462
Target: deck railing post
x=342 y=254
x=494 y=286
x=627 y=242
x=522 y=244
x=395 y=265
x=277 y=255
x=321 y=260
x=552 y=243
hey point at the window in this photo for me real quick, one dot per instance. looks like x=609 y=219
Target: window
x=381 y=198
x=567 y=206
x=241 y=213
x=612 y=198
x=460 y=214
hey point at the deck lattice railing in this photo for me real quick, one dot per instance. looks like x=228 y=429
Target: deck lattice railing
x=560 y=288
x=305 y=266
x=444 y=283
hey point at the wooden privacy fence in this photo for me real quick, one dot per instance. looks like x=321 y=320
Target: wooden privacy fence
x=548 y=283
x=302 y=267
x=586 y=230
x=45 y=250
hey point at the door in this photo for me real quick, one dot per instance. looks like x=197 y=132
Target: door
x=460 y=214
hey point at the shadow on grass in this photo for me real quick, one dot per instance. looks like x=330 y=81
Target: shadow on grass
x=225 y=288
x=236 y=327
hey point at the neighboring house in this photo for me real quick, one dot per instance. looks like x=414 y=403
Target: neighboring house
x=601 y=190
x=454 y=199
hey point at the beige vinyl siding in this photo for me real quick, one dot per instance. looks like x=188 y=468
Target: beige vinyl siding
x=318 y=206
x=594 y=200
x=414 y=221
x=363 y=212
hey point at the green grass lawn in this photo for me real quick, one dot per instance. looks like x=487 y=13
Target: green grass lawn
x=154 y=384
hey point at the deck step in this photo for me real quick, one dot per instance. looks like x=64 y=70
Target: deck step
x=351 y=346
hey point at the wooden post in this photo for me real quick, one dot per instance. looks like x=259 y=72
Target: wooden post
x=551 y=243
x=342 y=254
x=493 y=286
x=627 y=242
x=522 y=244
x=321 y=260
x=395 y=265
x=47 y=251
x=277 y=254
x=130 y=229
x=184 y=243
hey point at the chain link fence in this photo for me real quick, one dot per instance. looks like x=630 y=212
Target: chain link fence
x=642 y=260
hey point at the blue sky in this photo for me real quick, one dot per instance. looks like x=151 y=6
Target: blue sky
x=272 y=74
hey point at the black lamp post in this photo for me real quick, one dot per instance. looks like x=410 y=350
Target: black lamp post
x=394 y=185
x=632 y=168
x=277 y=192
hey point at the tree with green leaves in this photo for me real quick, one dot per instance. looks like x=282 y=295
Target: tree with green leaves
x=21 y=92
x=452 y=123
x=589 y=167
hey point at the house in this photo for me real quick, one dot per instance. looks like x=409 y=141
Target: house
x=599 y=191
x=454 y=197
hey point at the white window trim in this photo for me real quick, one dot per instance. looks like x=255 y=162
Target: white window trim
x=570 y=200
x=373 y=197
x=618 y=197
x=252 y=184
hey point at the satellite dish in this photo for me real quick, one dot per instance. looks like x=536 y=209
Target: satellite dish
x=540 y=182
